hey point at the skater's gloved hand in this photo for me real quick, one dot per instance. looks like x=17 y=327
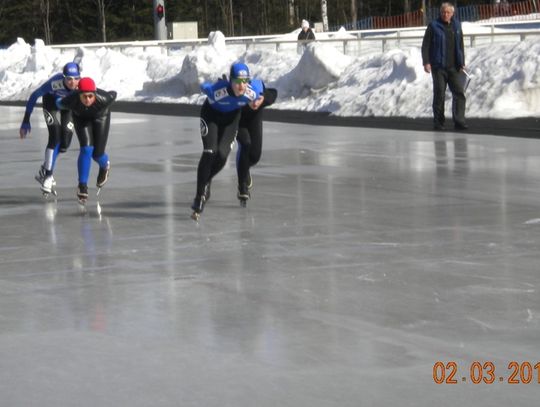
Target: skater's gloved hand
x=25 y=129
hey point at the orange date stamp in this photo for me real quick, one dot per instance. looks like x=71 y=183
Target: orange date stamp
x=486 y=372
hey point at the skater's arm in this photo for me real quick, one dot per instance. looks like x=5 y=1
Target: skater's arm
x=270 y=96
x=39 y=92
x=108 y=96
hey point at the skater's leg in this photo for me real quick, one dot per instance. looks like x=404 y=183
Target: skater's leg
x=204 y=171
x=55 y=153
x=209 y=137
x=100 y=130
x=84 y=163
x=226 y=136
x=101 y=134
x=67 y=130
x=256 y=135
x=242 y=155
x=53 y=120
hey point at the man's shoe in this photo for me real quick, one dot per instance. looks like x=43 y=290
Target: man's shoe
x=438 y=127
x=460 y=126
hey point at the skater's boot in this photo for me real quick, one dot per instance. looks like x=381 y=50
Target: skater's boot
x=48 y=184
x=197 y=206
x=243 y=193
x=207 y=191
x=249 y=181
x=103 y=175
x=82 y=192
x=41 y=175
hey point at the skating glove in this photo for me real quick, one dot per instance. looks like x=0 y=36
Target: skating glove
x=25 y=129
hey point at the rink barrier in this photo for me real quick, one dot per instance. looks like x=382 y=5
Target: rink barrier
x=351 y=43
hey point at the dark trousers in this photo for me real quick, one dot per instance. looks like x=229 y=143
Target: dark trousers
x=451 y=78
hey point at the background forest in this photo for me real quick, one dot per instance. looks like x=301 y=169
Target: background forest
x=84 y=21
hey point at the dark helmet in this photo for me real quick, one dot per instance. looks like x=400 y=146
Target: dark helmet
x=72 y=69
x=239 y=71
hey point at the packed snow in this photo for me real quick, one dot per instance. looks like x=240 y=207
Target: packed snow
x=505 y=78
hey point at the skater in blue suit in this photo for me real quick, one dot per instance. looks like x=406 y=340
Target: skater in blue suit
x=59 y=123
x=220 y=114
x=91 y=109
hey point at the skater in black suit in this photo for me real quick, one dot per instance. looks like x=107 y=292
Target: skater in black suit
x=92 y=119
x=250 y=133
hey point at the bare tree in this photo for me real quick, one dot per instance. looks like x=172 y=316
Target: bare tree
x=324 y=15
x=354 y=13
x=406 y=6
x=227 y=14
x=291 y=12
x=45 y=9
x=102 y=6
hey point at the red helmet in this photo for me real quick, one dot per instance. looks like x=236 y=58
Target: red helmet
x=87 y=85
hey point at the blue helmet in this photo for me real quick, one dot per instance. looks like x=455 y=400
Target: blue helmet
x=239 y=71
x=72 y=69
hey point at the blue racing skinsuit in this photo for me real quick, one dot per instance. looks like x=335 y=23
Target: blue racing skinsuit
x=220 y=114
x=59 y=123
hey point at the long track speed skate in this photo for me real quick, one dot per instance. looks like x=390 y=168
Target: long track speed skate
x=82 y=194
x=198 y=207
x=48 y=184
x=243 y=194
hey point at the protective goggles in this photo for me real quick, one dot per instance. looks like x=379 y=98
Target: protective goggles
x=241 y=80
x=72 y=78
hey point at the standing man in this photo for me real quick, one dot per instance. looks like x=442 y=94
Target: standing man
x=443 y=56
x=59 y=124
x=91 y=109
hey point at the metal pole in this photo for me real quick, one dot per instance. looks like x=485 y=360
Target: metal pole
x=160 y=28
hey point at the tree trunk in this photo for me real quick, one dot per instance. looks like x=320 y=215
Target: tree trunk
x=101 y=19
x=292 y=15
x=45 y=8
x=406 y=6
x=231 y=19
x=324 y=15
x=354 y=13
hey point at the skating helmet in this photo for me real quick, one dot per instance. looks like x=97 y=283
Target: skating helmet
x=72 y=69
x=239 y=71
x=87 y=85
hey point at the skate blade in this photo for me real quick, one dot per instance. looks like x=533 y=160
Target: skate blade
x=243 y=203
x=98 y=191
x=195 y=216
x=47 y=194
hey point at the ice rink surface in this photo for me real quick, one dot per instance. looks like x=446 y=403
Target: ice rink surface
x=364 y=258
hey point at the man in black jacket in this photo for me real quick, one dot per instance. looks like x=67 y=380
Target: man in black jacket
x=443 y=56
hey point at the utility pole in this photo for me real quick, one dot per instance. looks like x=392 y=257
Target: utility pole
x=160 y=28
